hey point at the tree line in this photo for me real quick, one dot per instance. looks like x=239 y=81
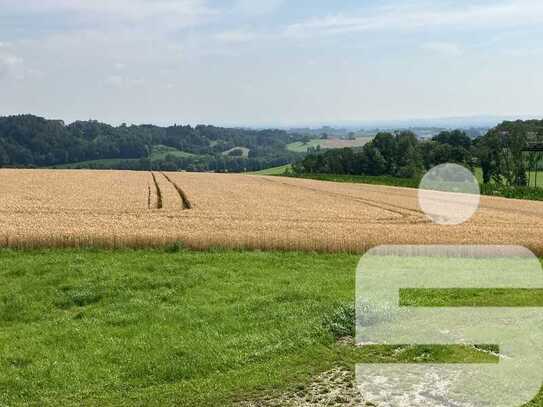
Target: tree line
x=216 y=163
x=399 y=154
x=501 y=154
x=28 y=141
x=31 y=141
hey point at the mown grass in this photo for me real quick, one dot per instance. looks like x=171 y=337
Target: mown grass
x=151 y=327
x=175 y=327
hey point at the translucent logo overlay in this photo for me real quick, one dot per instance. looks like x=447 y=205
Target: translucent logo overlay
x=449 y=194
x=387 y=275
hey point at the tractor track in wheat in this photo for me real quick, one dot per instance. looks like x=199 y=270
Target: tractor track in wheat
x=398 y=210
x=185 y=202
x=160 y=203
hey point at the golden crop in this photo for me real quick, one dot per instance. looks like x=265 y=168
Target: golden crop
x=52 y=208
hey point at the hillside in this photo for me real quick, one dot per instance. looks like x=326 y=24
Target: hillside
x=28 y=141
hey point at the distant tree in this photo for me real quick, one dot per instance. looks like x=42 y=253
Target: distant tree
x=374 y=163
x=501 y=154
x=387 y=146
x=456 y=138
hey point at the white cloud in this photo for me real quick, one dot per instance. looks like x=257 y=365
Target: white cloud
x=447 y=49
x=236 y=36
x=115 y=81
x=10 y=60
x=122 y=82
x=11 y=67
x=504 y=14
x=182 y=12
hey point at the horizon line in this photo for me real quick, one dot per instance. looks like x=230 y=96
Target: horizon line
x=431 y=121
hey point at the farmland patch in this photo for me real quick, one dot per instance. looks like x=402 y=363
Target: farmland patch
x=48 y=208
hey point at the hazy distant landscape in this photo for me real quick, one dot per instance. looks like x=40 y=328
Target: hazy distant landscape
x=32 y=141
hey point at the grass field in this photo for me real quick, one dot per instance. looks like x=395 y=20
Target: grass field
x=159 y=152
x=272 y=171
x=91 y=327
x=107 y=162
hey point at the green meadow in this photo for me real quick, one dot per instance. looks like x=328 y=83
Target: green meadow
x=176 y=327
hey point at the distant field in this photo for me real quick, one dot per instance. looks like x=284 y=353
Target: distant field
x=300 y=147
x=55 y=208
x=108 y=162
x=159 y=152
x=245 y=151
x=272 y=171
x=340 y=143
x=332 y=143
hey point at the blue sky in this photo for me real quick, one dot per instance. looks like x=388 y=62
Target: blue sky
x=270 y=62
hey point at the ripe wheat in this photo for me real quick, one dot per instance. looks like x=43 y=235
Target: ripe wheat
x=49 y=208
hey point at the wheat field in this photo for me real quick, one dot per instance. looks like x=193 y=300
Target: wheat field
x=62 y=208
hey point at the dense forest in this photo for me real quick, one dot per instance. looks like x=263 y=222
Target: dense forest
x=502 y=154
x=30 y=141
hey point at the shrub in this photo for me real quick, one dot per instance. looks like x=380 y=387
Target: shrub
x=175 y=247
x=341 y=321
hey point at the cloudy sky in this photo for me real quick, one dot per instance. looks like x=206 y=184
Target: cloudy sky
x=270 y=62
